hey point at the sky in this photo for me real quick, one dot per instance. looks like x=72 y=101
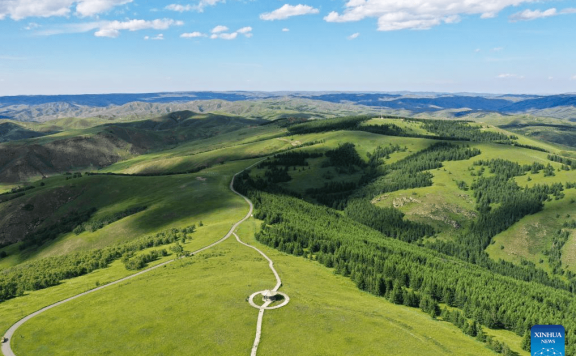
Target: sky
x=137 y=46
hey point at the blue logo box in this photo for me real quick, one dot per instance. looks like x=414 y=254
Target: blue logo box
x=548 y=340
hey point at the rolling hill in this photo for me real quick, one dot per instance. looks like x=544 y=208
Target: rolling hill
x=255 y=104
x=102 y=145
x=457 y=233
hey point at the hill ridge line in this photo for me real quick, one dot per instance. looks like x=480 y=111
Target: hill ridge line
x=6 y=348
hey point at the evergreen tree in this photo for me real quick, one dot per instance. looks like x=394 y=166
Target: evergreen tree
x=526 y=341
x=396 y=295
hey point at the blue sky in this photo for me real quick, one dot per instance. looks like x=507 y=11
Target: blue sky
x=103 y=46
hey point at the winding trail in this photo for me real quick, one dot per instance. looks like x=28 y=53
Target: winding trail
x=264 y=306
x=271 y=264
x=6 y=347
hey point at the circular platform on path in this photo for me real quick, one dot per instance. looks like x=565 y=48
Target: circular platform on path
x=251 y=300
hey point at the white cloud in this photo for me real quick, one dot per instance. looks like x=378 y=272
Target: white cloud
x=218 y=32
x=107 y=32
x=418 y=14
x=93 y=7
x=158 y=37
x=287 y=11
x=32 y=26
x=510 y=76
x=245 y=30
x=192 y=35
x=573 y=77
x=497 y=49
x=285 y=30
x=219 y=29
x=198 y=7
x=477 y=50
x=112 y=28
x=528 y=15
x=353 y=36
x=71 y=28
x=20 y=9
x=228 y=36
x=179 y=8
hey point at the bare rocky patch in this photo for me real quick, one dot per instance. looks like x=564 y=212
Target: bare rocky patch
x=429 y=207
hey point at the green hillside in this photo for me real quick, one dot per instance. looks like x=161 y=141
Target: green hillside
x=386 y=233
x=95 y=144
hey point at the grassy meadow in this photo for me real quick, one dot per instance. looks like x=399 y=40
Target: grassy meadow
x=172 y=201
x=203 y=310
x=198 y=305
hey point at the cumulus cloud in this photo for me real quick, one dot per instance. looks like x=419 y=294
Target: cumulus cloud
x=353 y=36
x=112 y=28
x=287 y=11
x=285 y=30
x=107 y=32
x=246 y=31
x=228 y=36
x=219 y=29
x=195 y=34
x=20 y=9
x=529 y=15
x=197 y=7
x=158 y=37
x=418 y=14
x=93 y=7
x=220 y=32
x=510 y=76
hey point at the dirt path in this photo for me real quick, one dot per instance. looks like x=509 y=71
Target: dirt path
x=6 y=347
x=258 y=329
x=271 y=264
x=265 y=305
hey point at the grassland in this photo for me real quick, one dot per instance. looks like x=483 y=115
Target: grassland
x=229 y=208
x=208 y=314
x=172 y=201
x=15 y=309
x=449 y=208
x=198 y=305
x=443 y=205
x=235 y=145
x=409 y=127
x=531 y=236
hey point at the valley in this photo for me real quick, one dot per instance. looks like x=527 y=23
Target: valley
x=318 y=178
x=330 y=194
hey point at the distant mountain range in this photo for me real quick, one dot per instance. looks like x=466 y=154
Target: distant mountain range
x=44 y=108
